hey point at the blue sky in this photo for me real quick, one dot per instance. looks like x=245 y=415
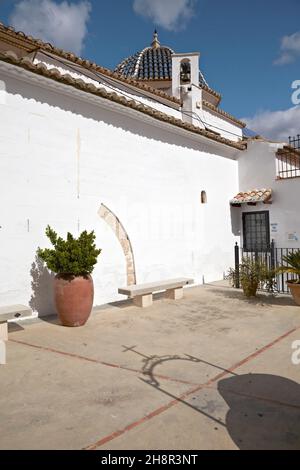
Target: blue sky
x=239 y=41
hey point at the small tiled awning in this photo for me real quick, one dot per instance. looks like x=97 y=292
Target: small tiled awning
x=252 y=197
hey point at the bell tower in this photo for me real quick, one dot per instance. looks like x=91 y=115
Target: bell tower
x=185 y=86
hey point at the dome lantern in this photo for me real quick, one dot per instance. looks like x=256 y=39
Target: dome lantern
x=155 y=43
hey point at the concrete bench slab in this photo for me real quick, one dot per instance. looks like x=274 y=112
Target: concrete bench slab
x=14 y=312
x=142 y=293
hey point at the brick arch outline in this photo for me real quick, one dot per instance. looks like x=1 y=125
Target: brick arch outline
x=113 y=221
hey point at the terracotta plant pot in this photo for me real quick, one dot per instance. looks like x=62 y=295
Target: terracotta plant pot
x=73 y=297
x=295 y=291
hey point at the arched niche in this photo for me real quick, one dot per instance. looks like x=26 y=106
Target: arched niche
x=203 y=197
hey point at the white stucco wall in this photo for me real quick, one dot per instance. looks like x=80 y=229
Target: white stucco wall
x=61 y=157
x=257 y=169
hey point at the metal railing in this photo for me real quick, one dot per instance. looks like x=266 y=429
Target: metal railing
x=295 y=142
x=288 y=159
x=271 y=258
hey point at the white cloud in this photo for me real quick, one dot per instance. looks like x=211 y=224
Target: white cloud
x=63 y=24
x=289 y=49
x=170 y=14
x=276 y=125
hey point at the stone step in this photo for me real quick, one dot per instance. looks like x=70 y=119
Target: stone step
x=14 y=312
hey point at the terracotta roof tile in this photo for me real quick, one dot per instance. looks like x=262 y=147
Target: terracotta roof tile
x=256 y=195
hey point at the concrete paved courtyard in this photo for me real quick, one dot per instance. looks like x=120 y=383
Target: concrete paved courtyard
x=211 y=371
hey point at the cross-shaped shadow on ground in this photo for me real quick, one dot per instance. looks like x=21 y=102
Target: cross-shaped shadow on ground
x=264 y=410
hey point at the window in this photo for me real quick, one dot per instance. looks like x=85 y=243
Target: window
x=203 y=197
x=256 y=231
x=288 y=159
x=288 y=164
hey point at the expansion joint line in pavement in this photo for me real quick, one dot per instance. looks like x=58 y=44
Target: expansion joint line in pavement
x=96 y=361
x=187 y=394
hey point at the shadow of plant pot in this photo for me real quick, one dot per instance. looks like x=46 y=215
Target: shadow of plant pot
x=42 y=300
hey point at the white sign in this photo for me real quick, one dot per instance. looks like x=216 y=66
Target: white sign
x=292 y=237
x=274 y=227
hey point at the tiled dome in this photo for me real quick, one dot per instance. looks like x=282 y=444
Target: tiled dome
x=152 y=63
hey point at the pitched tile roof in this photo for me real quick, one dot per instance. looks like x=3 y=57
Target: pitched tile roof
x=30 y=44
x=256 y=195
x=55 y=74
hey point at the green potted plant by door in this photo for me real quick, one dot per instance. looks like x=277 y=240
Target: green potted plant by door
x=292 y=267
x=251 y=274
x=72 y=260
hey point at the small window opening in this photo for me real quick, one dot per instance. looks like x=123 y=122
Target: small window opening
x=203 y=197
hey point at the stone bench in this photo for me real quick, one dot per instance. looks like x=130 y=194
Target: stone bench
x=142 y=294
x=11 y=312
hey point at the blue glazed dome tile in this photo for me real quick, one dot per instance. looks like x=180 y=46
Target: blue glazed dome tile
x=152 y=63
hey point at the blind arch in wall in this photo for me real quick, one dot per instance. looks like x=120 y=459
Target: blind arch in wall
x=112 y=220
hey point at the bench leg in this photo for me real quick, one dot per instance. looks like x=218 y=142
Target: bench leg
x=3 y=331
x=143 y=300
x=3 y=338
x=174 y=294
x=2 y=352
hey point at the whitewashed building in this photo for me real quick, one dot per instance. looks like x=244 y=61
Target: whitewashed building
x=143 y=155
x=267 y=207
